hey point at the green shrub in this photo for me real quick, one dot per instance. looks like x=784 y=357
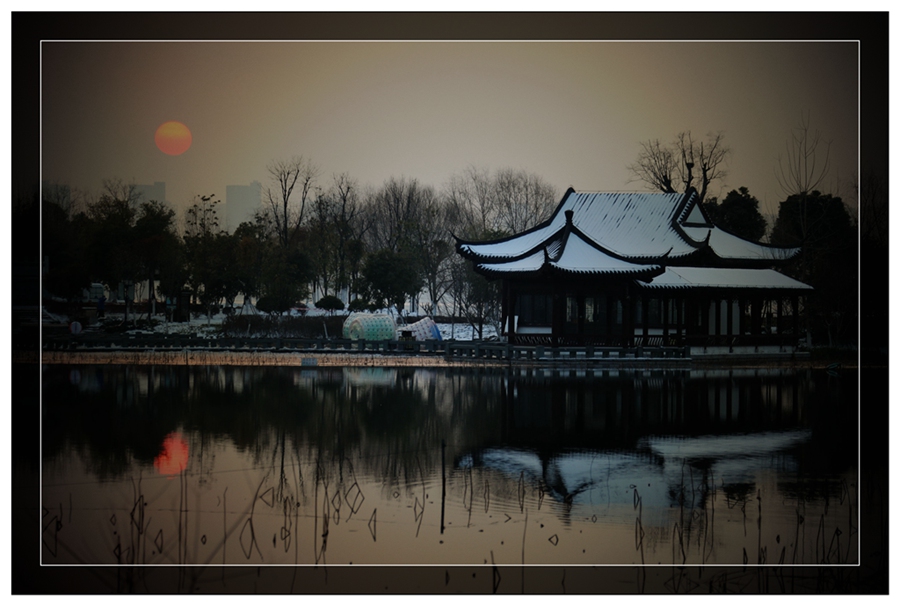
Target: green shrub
x=264 y=304
x=358 y=305
x=330 y=303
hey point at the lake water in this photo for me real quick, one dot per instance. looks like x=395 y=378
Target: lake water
x=262 y=466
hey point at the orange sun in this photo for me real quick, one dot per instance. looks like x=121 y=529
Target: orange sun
x=173 y=138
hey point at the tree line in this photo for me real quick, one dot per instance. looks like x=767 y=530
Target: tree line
x=369 y=247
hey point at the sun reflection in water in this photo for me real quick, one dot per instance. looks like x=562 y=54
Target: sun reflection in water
x=173 y=455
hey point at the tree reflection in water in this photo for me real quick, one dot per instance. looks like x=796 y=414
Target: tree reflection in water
x=386 y=465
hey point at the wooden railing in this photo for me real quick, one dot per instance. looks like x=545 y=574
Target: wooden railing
x=457 y=350
x=563 y=353
x=177 y=342
x=617 y=341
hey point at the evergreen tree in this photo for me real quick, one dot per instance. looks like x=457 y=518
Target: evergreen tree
x=738 y=213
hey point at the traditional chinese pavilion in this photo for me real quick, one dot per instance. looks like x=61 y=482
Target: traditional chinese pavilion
x=622 y=269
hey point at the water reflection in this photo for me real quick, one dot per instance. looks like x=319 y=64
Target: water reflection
x=173 y=455
x=477 y=466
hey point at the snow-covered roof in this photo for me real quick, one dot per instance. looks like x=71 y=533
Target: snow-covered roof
x=659 y=240
x=581 y=257
x=729 y=246
x=631 y=225
x=569 y=253
x=634 y=226
x=532 y=262
x=717 y=277
x=639 y=227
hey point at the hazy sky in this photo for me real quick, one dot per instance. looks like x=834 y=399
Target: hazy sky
x=572 y=112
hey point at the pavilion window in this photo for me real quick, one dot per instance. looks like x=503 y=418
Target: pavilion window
x=595 y=315
x=571 y=315
x=654 y=313
x=534 y=310
x=571 y=310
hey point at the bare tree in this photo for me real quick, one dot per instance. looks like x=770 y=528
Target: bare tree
x=470 y=199
x=286 y=176
x=433 y=245
x=804 y=166
x=707 y=156
x=684 y=160
x=800 y=171
x=655 y=166
x=482 y=206
x=523 y=199
x=336 y=224
x=393 y=212
x=509 y=201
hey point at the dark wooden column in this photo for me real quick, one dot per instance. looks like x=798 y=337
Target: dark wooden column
x=645 y=316
x=717 y=315
x=729 y=317
x=504 y=307
x=705 y=321
x=557 y=317
x=780 y=311
x=628 y=318
x=679 y=317
x=756 y=316
x=795 y=316
x=579 y=303
x=665 y=319
x=701 y=317
x=690 y=316
x=512 y=314
x=610 y=316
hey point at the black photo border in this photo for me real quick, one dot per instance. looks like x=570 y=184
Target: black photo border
x=871 y=29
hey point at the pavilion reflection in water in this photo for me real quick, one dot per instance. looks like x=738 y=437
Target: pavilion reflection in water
x=589 y=436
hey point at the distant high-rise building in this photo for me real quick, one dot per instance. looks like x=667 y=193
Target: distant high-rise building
x=241 y=202
x=156 y=192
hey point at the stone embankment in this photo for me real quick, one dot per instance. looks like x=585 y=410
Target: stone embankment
x=346 y=353
x=252 y=358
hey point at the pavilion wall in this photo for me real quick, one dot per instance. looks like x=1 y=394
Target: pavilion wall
x=617 y=313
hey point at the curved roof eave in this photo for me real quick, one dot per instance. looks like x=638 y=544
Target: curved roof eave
x=542 y=245
x=650 y=271
x=677 y=278
x=542 y=225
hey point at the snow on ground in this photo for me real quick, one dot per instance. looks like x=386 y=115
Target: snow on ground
x=202 y=326
x=465 y=332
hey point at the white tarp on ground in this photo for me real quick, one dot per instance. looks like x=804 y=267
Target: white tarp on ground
x=424 y=330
